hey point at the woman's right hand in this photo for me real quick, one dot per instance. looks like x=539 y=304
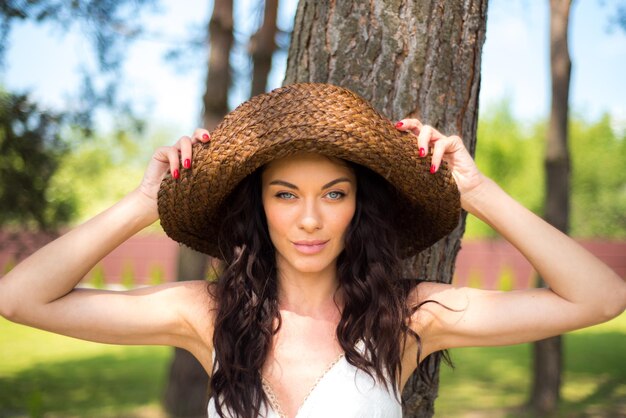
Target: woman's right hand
x=173 y=158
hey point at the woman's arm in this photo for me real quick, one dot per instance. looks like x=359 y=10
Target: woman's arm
x=582 y=290
x=40 y=291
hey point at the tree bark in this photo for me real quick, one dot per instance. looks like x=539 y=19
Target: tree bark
x=261 y=48
x=408 y=58
x=187 y=389
x=547 y=353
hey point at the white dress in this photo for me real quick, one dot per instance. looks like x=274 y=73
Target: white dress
x=342 y=391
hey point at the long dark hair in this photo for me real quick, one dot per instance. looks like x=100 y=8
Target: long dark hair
x=375 y=312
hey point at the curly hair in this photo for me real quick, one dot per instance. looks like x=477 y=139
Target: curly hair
x=375 y=311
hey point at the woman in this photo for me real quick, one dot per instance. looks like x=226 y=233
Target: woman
x=312 y=198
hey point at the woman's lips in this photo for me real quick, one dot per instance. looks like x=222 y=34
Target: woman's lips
x=310 y=247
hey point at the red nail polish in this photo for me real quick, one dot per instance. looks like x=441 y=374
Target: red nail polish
x=433 y=168
x=205 y=137
x=187 y=163
x=175 y=174
x=399 y=125
x=422 y=152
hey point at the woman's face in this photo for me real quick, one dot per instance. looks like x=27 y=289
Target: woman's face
x=309 y=201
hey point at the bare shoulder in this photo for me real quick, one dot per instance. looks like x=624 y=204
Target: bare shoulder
x=433 y=297
x=433 y=303
x=196 y=306
x=428 y=301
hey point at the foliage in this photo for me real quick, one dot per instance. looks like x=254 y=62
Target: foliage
x=101 y=171
x=109 y=23
x=599 y=179
x=511 y=152
x=31 y=148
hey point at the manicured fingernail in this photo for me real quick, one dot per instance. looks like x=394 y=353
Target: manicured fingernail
x=187 y=163
x=399 y=125
x=433 y=168
x=176 y=174
x=205 y=137
x=422 y=152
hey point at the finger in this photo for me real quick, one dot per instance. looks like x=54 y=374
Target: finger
x=201 y=135
x=174 y=159
x=412 y=125
x=439 y=148
x=427 y=137
x=185 y=151
x=423 y=140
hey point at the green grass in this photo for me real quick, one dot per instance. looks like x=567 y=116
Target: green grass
x=43 y=374
x=495 y=381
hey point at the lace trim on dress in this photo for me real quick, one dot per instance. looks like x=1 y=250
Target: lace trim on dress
x=271 y=395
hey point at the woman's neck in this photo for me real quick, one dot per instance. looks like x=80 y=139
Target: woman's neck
x=308 y=294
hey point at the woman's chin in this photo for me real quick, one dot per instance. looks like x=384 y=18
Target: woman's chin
x=316 y=264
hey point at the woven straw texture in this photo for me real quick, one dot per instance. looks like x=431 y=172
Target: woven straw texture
x=307 y=117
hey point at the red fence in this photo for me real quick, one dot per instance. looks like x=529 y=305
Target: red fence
x=151 y=259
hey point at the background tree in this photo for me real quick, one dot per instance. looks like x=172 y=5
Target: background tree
x=547 y=353
x=186 y=393
x=33 y=140
x=409 y=58
x=187 y=388
x=261 y=48
x=111 y=25
x=31 y=146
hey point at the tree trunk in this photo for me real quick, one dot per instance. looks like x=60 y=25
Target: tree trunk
x=218 y=79
x=262 y=47
x=187 y=389
x=547 y=353
x=409 y=58
x=186 y=394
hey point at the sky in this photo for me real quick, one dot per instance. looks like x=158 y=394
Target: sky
x=45 y=61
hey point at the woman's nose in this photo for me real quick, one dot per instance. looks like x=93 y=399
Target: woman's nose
x=310 y=219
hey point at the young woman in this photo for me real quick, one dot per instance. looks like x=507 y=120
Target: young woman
x=312 y=199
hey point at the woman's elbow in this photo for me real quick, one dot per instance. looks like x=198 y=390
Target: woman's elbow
x=614 y=303
x=8 y=310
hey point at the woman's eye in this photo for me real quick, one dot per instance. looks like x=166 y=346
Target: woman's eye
x=285 y=195
x=335 y=195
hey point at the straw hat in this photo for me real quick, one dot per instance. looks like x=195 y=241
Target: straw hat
x=307 y=117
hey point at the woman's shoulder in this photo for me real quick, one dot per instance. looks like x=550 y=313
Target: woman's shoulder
x=422 y=291
x=429 y=300
x=197 y=306
x=197 y=302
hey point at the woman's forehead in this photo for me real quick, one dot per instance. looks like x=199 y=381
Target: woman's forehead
x=306 y=161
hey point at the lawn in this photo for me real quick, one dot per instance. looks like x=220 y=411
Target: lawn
x=42 y=374
x=495 y=381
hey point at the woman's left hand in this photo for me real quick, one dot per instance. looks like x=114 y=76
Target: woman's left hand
x=447 y=148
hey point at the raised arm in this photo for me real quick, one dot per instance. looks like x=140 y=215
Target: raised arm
x=40 y=291
x=582 y=290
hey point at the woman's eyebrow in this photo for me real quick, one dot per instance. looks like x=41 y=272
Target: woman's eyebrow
x=332 y=183
x=283 y=183
x=294 y=187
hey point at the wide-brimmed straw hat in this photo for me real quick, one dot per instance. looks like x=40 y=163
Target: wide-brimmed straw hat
x=307 y=117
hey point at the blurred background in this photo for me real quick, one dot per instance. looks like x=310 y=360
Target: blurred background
x=88 y=89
